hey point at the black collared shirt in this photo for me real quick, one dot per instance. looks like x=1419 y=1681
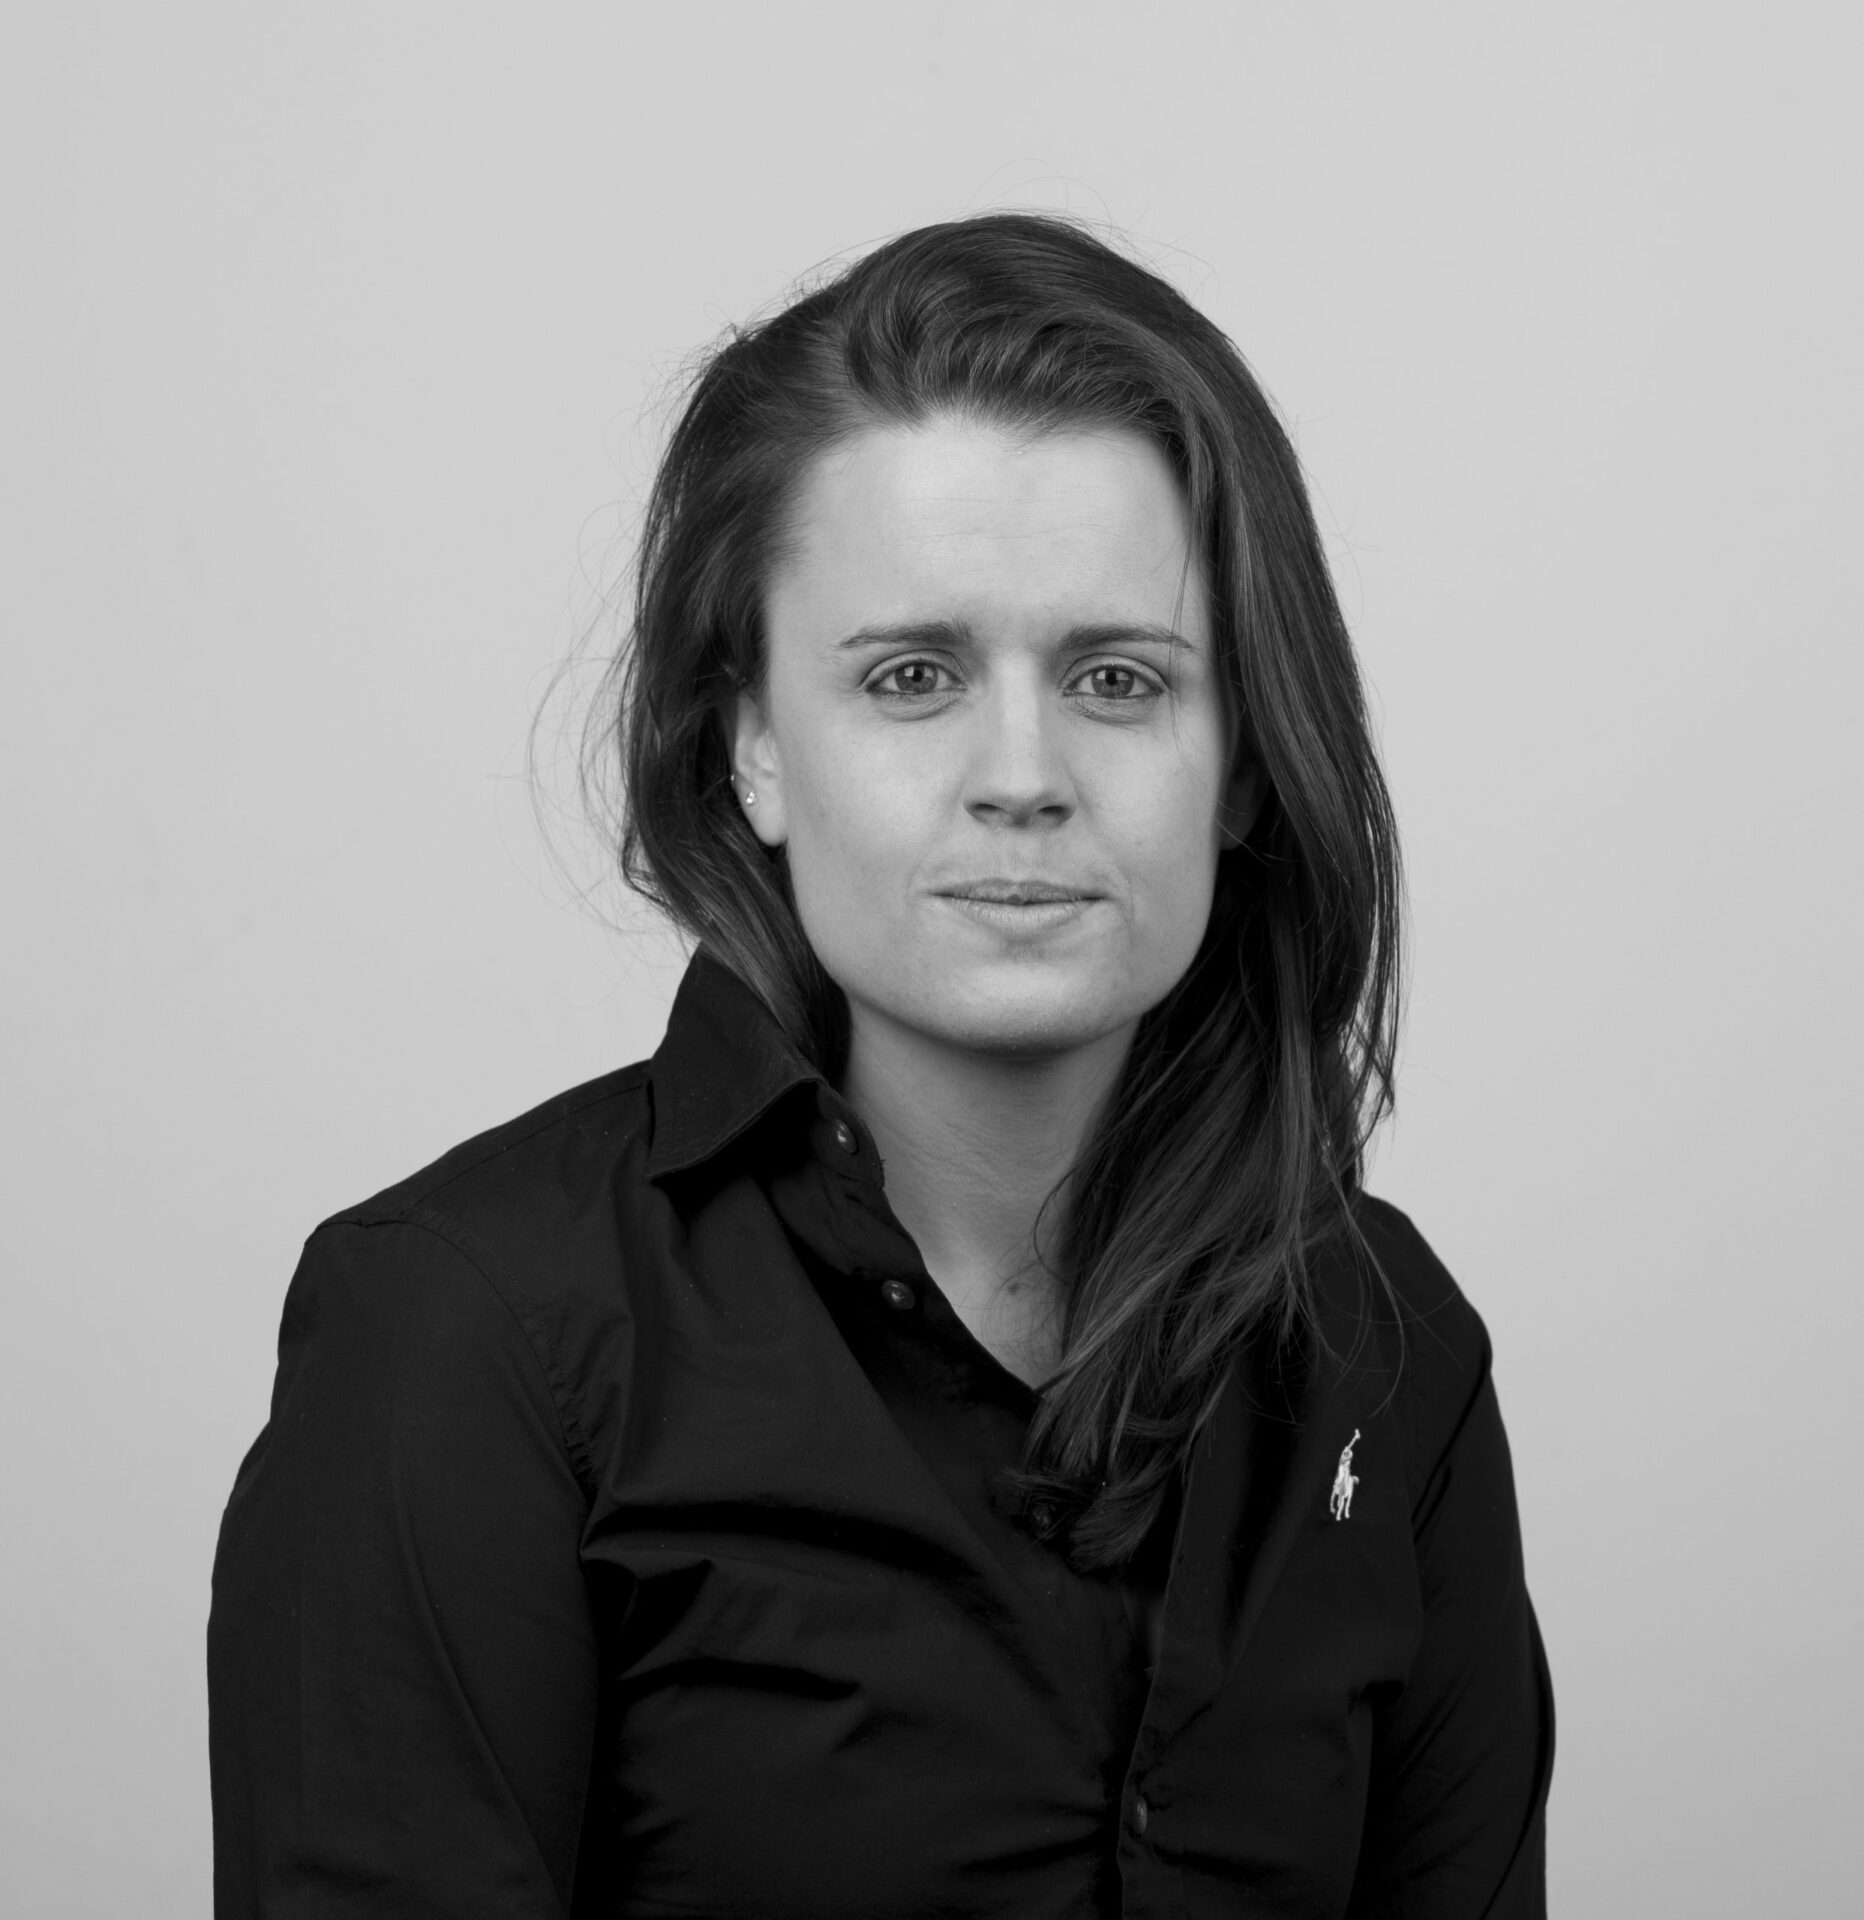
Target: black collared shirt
x=625 y=1540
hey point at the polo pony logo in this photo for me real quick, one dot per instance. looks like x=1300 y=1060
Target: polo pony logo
x=1344 y=1481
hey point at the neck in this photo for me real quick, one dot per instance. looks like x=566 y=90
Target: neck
x=973 y=1144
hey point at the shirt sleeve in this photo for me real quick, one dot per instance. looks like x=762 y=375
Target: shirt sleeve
x=402 y=1670
x=1456 y=1820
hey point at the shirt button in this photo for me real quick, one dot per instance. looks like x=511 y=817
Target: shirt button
x=844 y=1137
x=897 y=1294
x=1141 y=1814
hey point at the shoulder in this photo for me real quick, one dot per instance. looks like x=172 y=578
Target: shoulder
x=533 y=1193
x=513 y=1239
x=549 y=1158
x=1420 y=1296
x=1396 y=1315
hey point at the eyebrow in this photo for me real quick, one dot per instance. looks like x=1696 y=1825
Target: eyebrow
x=959 y=633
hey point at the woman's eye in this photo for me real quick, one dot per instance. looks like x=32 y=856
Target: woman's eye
x=1111 y=682
x=910 y=678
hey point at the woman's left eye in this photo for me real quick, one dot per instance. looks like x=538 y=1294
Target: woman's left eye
x=1109 y=681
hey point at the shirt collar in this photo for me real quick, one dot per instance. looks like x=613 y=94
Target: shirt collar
x=724 y=1064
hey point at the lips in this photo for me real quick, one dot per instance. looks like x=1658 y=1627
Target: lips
x=1017 y=893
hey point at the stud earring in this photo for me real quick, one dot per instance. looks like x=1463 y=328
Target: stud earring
x=750 y=797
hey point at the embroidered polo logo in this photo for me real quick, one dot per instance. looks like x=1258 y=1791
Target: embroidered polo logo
x=1344 y=1481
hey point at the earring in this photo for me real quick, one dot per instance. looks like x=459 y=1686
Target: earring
x=750 y=797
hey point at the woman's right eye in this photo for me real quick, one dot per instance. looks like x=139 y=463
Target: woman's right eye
x=908 y=680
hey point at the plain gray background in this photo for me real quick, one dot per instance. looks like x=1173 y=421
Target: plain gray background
x=331 y=343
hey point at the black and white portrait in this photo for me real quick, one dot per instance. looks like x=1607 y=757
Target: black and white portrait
x=932 y=962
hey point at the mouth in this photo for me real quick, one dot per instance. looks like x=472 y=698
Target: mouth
x=1020 y=910
x=1018 y=893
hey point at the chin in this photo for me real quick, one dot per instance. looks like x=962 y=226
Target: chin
x=1018 y=1022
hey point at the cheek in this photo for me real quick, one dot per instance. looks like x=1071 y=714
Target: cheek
x=1177 y=908
x=1175 y=840
x=846 y=809
x=853 y=837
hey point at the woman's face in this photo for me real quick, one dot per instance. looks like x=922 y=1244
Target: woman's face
x=992 y=735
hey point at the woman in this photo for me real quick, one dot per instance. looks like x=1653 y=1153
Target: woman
x=949 y=1434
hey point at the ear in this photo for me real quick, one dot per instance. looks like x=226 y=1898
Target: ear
x=1242 y=801
x=756 y=769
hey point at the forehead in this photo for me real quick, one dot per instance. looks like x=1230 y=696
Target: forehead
x=957 y=518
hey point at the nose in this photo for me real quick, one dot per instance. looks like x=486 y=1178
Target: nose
x=1017 y=773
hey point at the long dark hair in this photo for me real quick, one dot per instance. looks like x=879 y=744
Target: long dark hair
x=1232 y=1147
